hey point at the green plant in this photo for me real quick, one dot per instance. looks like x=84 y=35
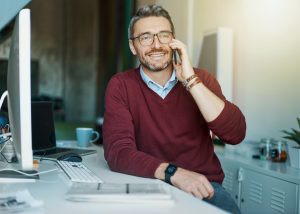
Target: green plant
x=293 y=135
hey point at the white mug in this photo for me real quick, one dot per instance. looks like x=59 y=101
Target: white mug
x=84 y=136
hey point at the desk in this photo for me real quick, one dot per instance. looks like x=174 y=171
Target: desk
x=51 y=188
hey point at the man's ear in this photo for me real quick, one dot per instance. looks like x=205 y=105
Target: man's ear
x=132 y=48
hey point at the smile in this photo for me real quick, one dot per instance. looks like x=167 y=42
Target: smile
x=156 y=55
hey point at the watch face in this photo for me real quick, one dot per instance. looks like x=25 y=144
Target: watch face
x=171 y=169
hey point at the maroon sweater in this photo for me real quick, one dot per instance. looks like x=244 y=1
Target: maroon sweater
x=141 y=130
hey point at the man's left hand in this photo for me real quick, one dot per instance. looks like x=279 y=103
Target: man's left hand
x=183 y=68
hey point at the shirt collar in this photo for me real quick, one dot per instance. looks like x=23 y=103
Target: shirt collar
x=149 y=81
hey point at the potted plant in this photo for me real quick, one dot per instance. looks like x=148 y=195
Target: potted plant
x=294 y=152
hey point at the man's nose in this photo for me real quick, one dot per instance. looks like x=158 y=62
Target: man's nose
x=156 y=42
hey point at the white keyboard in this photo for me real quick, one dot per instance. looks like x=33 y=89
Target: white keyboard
x=78 y=172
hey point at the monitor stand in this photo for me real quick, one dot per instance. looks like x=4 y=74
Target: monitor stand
x=9 y=176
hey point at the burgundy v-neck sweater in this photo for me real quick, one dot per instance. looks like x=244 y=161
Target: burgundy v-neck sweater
x=141 y=130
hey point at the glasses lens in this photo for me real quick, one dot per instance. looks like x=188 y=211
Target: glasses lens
x=165 y=37
x=146 y=39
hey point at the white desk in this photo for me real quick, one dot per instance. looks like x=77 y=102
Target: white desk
x=51 y=189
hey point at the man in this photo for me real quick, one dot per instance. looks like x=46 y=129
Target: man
x=158 y=117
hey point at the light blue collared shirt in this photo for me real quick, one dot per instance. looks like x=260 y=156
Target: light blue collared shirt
x=162 y=91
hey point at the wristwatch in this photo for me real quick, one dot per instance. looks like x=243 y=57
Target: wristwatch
x=169 y=172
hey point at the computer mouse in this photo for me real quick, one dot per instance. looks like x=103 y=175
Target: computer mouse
x=72 y=157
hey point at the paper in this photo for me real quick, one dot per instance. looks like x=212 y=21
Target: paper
x=111 y=192
x=18 y=201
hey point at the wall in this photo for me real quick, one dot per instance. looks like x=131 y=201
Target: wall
x=266 y=55
x=64 y=39
x=47 y=43
x=140 y=3
x=179 y=14
x=65 y=43
x=81 y=53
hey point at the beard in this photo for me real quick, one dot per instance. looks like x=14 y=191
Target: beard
x=157 y=66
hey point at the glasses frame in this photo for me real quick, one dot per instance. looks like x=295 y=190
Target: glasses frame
x=153 y=35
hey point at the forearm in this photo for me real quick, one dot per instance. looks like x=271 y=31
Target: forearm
x=125 y=159
x=208 y=103
x=160 y=171
x=224 y=119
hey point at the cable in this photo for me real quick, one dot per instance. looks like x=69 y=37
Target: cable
x=5 y=135
x=42 y=157
x=5 y=142
x=28 y=174
x=5 y=93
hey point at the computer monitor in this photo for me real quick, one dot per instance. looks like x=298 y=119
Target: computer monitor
x=19 y=89
x=216 y=56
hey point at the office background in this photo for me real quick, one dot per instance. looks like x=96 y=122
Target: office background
x=79 y=44
x=266 y=53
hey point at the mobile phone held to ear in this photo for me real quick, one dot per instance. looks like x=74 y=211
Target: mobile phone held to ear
x=176 y=56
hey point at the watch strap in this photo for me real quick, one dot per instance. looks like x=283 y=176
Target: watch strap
x=186 y=81
x=169 y=172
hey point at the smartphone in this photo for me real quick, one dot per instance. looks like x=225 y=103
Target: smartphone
x=176 y=57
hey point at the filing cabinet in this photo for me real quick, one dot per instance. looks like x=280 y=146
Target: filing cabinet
x=261 y=186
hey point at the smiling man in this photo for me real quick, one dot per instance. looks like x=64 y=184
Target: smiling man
x=158 y=117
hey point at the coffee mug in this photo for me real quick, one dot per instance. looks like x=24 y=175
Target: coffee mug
x=85 y=135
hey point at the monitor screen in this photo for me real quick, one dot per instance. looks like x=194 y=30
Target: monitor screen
x=19 y=89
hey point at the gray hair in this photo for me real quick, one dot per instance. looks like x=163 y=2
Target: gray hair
x=147 y=11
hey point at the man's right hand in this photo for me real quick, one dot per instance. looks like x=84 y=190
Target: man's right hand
x=192 y=182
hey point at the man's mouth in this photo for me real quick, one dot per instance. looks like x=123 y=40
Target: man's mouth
x=156 y=55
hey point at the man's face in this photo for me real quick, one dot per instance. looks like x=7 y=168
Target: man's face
x=155 y=57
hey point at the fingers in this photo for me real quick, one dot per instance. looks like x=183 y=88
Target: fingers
x=193 y=183
x=203 y=190
x=210 y=190
x=186 y=66
x=197 y=193
x=207 y=188
x=200 y=192
x=178 y=45
x=178 y=69
x=177 y=65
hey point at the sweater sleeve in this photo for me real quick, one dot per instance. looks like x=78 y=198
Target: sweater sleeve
x=230 y=125
x=120 y=149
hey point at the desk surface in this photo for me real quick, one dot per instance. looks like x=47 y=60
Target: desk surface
x=51 y=189
x=274 y=169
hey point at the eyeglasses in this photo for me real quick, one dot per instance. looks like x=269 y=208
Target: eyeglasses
x=146 y=39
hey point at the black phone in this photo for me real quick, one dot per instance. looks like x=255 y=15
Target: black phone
x=176 y=57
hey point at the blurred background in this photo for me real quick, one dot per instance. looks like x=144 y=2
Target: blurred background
x=77 y=45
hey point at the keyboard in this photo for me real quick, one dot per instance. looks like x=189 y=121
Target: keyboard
x=78 y=172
